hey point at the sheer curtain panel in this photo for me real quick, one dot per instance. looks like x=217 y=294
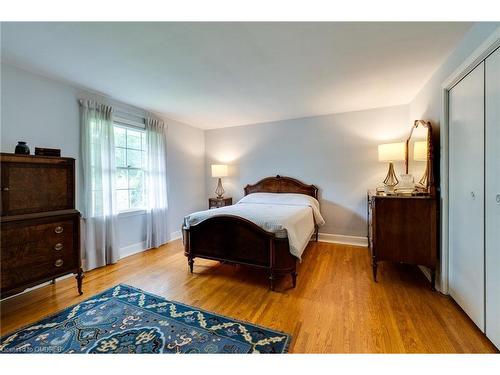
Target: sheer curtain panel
x=157 y=233
x=100 y=240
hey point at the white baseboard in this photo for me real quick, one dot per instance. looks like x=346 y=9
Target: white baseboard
x=132 y=249
x=141 y=246
x=344 y=240
x=175 y=236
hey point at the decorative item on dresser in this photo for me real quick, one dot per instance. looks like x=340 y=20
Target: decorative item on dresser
x=45 y=151
x=403 y=227
x=40 y=228
x=222 y=202
x=391 y=152
x=420 y=142
x=22 y=148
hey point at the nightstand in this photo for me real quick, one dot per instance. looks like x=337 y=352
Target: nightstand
x=222 y=202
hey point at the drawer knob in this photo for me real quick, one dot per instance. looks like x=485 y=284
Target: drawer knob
x=58 y=246
x=58 y=263
x=58 y=229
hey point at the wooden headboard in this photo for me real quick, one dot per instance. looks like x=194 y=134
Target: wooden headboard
x=281 y=184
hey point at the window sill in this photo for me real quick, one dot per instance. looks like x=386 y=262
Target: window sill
x=133 y=212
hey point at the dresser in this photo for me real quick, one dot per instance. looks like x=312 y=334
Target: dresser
x=219 y=202
x=40 y=228
x=403 y=229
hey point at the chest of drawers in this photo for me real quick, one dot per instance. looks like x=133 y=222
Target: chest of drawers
x=38 y=242
x=403 y=229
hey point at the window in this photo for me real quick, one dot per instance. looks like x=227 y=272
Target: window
x=130 y=159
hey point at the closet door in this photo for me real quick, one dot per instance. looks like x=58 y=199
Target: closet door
x=492 y=196
x=466 y=190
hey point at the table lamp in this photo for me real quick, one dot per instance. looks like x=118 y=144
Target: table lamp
x=219 y=170
x=391 y=152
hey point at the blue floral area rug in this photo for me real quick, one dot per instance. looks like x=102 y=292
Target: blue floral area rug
x=124 y=319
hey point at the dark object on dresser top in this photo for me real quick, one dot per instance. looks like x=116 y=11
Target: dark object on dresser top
x=22 y=148
x=40 y=228
x=233 y=239
x=44 y=151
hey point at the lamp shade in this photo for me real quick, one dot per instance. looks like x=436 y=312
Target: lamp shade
x=420 y=151
x=391 y=151
x=219 y=170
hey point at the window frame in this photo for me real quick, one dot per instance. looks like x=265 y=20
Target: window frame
x=127 y=125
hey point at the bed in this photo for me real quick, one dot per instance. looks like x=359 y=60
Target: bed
x=269 y=228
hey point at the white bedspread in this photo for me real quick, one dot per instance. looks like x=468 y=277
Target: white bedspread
x=292 y=215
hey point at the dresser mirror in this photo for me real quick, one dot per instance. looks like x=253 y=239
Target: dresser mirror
x=419 y=155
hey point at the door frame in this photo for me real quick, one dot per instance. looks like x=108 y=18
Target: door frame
x=471 y=62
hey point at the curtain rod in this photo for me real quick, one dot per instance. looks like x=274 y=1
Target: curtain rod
x=141 y=113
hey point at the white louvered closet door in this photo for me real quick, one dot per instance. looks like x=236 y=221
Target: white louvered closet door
x=492 y=196
x=466 y=194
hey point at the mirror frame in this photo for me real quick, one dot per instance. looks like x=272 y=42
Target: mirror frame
x=429 y=187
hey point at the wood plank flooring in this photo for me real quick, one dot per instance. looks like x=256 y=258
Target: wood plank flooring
x=335 y=308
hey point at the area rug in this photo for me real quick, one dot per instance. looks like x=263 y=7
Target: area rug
x=125 y=319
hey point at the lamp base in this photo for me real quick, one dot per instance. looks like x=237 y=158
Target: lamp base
x=391 y=180
x=219 y=191
x=424 y=181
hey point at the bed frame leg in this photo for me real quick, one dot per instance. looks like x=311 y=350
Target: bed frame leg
x=191 y=264
x=294 y=279
x=317 y=234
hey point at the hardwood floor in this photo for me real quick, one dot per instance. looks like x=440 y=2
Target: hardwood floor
x=336 y=307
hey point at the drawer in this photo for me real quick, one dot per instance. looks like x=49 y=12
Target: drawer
x=30 y=274
x=38 y=249
x=28 y=245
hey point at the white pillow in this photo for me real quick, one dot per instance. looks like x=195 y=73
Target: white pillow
x=287 y=199
x=280 y=198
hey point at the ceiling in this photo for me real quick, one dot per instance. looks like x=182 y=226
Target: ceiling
x=213 y=75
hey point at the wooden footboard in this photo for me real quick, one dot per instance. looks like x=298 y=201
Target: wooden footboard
x=234 y=239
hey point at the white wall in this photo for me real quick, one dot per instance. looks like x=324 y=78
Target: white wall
x=337 y=153
x=427 y=103
x=44 y=112
x=186 y=172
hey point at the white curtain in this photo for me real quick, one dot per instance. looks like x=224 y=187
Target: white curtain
x=156 y=183
x=99 y=201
